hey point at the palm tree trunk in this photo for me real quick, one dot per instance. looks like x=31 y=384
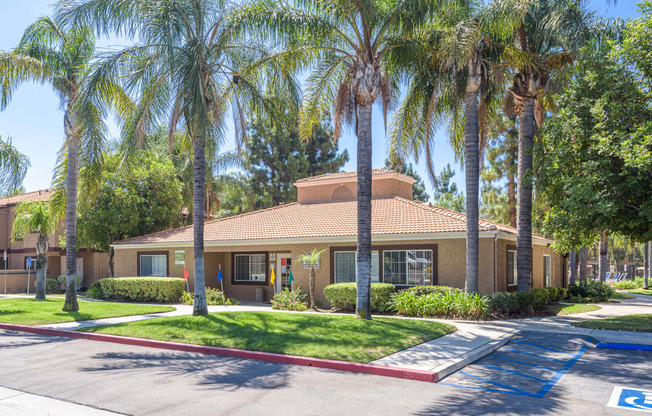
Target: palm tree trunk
x=199 y=190
x=111 y=255
x=472 y=160
x=363 y=304
x=573 y=268
x=71 y=304
x=604 y=242
x=312 y=287
x=584 y=264
x=41 y=265
x=524 y=196
x=511 y=194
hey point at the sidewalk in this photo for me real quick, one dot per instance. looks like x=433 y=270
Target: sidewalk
x=16 y=402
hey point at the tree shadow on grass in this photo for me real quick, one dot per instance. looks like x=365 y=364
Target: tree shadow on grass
x=210 y=372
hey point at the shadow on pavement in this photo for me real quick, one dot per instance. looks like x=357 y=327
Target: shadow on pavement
x=27 y=339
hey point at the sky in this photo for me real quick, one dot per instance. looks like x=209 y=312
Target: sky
x=34 y=119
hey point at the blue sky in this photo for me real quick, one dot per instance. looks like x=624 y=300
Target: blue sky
x=35 y=121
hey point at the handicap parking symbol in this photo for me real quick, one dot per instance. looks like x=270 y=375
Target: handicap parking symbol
x=632 y=399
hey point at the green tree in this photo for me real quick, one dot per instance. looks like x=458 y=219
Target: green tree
x=187 y=66
x=311 y=258
x=418 y=188
x=277 y=157
x=13 y=167
x=447 y=196
x=598 y=157
x=345 y=44
x=130 y=203
x=48 y=53
x=32 y=217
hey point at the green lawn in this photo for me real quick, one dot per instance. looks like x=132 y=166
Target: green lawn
x=619 y=295
x=37 y=312
x=576 y=308
x=640 y=291
x=638 y=323
x=324 y=336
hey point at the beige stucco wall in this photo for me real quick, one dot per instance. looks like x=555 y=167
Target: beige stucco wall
x=380 y=187
x=451 y=265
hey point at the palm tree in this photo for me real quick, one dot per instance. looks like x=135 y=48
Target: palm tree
x=187 y=67
x=35 y=217
x=604 y=246
x=47 y=53
x=311 y=258
x=345 y=44
x=13 y=167
x=454 y=75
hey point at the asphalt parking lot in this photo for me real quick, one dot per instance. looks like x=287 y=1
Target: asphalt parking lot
x=145 y=381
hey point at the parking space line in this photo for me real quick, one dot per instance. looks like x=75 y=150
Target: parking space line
x=533 y=355
x=522 y=362
x=545 y=389
x=522 y=392
x=542 y=347
x=479 y=388
x=513 y=372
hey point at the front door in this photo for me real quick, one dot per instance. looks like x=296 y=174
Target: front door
x=283 y=265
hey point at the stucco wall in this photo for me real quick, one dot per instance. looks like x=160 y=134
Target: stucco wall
x=380 y=187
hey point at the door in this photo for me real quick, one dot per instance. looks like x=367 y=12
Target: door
x=80 y=268
x=283 y=265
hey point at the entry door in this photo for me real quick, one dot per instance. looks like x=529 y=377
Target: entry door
x=283 y=265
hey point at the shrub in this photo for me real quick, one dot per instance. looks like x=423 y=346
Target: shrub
x=628 y=284
x=343 y=296
x=596 y=291
x=143 y=289
x=290 y=300
x=521 y=303
x=424 y=290
x=213 y=297
x=95 y=291
x=62 y=279
x=51 y=286
x=445 y=303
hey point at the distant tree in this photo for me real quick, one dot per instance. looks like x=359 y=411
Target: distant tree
x=598 y=157
x=447 y=196
x=418 y=188
x=32 y=217
x=277 y=156
x=142 y=200
x=498 y=196
x=235 y=195
x=13 y=167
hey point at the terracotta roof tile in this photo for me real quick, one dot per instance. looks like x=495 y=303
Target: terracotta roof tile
x=42 y=195
x=342 y=175
x=394 y=215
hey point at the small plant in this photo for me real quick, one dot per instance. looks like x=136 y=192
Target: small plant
x=214 y=297
x=595 y=291
x=628 y=284
x=446 y=303
x=290 y=300
x=51 y=286
x=62 y=279
x=95 y=291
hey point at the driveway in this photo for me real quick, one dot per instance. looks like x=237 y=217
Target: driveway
x=144 y=381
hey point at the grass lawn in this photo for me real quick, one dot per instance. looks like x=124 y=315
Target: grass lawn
x=638 y=323
x=576 y=308
x=324 y=336
x=36 y=312
x=641 y=291
x=619 y=295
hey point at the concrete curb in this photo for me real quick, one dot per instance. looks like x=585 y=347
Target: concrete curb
x=373 y=369
x=475 y=354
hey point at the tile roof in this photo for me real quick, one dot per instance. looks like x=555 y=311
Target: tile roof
x=342 y=175
x=392 y=215
x=42 y=195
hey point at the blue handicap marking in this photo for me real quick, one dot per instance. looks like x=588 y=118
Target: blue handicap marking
x=633 y=399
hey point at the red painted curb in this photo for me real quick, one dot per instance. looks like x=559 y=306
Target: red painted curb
x=374 y=369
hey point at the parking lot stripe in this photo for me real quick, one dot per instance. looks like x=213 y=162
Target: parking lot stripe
x=533 y=355
x=542 y=347
x=522 y=392
x=479 y=388
x=513 y=372
x=521 y=362
x=545 y=389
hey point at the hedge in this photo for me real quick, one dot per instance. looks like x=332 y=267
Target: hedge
x=443 y=303
x=521 y=303
x=594 y=291
x=344 y=295
x=143 y=289
x=426 y=290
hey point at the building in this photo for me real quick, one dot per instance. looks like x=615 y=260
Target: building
x=92 y=265
x=413 y=243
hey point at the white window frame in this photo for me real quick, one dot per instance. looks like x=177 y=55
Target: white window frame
x=374 y=263
x=258 y=279
x=407 y=266
x=547 y=278
x=514 y=281
x=165 y=265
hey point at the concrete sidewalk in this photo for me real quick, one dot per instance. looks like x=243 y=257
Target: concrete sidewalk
x=15 y=402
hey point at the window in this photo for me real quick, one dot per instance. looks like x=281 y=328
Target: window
x=547 y=270
x=512 y=278
x=154 y=265
x=250 y=267
x=346 y=266
x=407 y=267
